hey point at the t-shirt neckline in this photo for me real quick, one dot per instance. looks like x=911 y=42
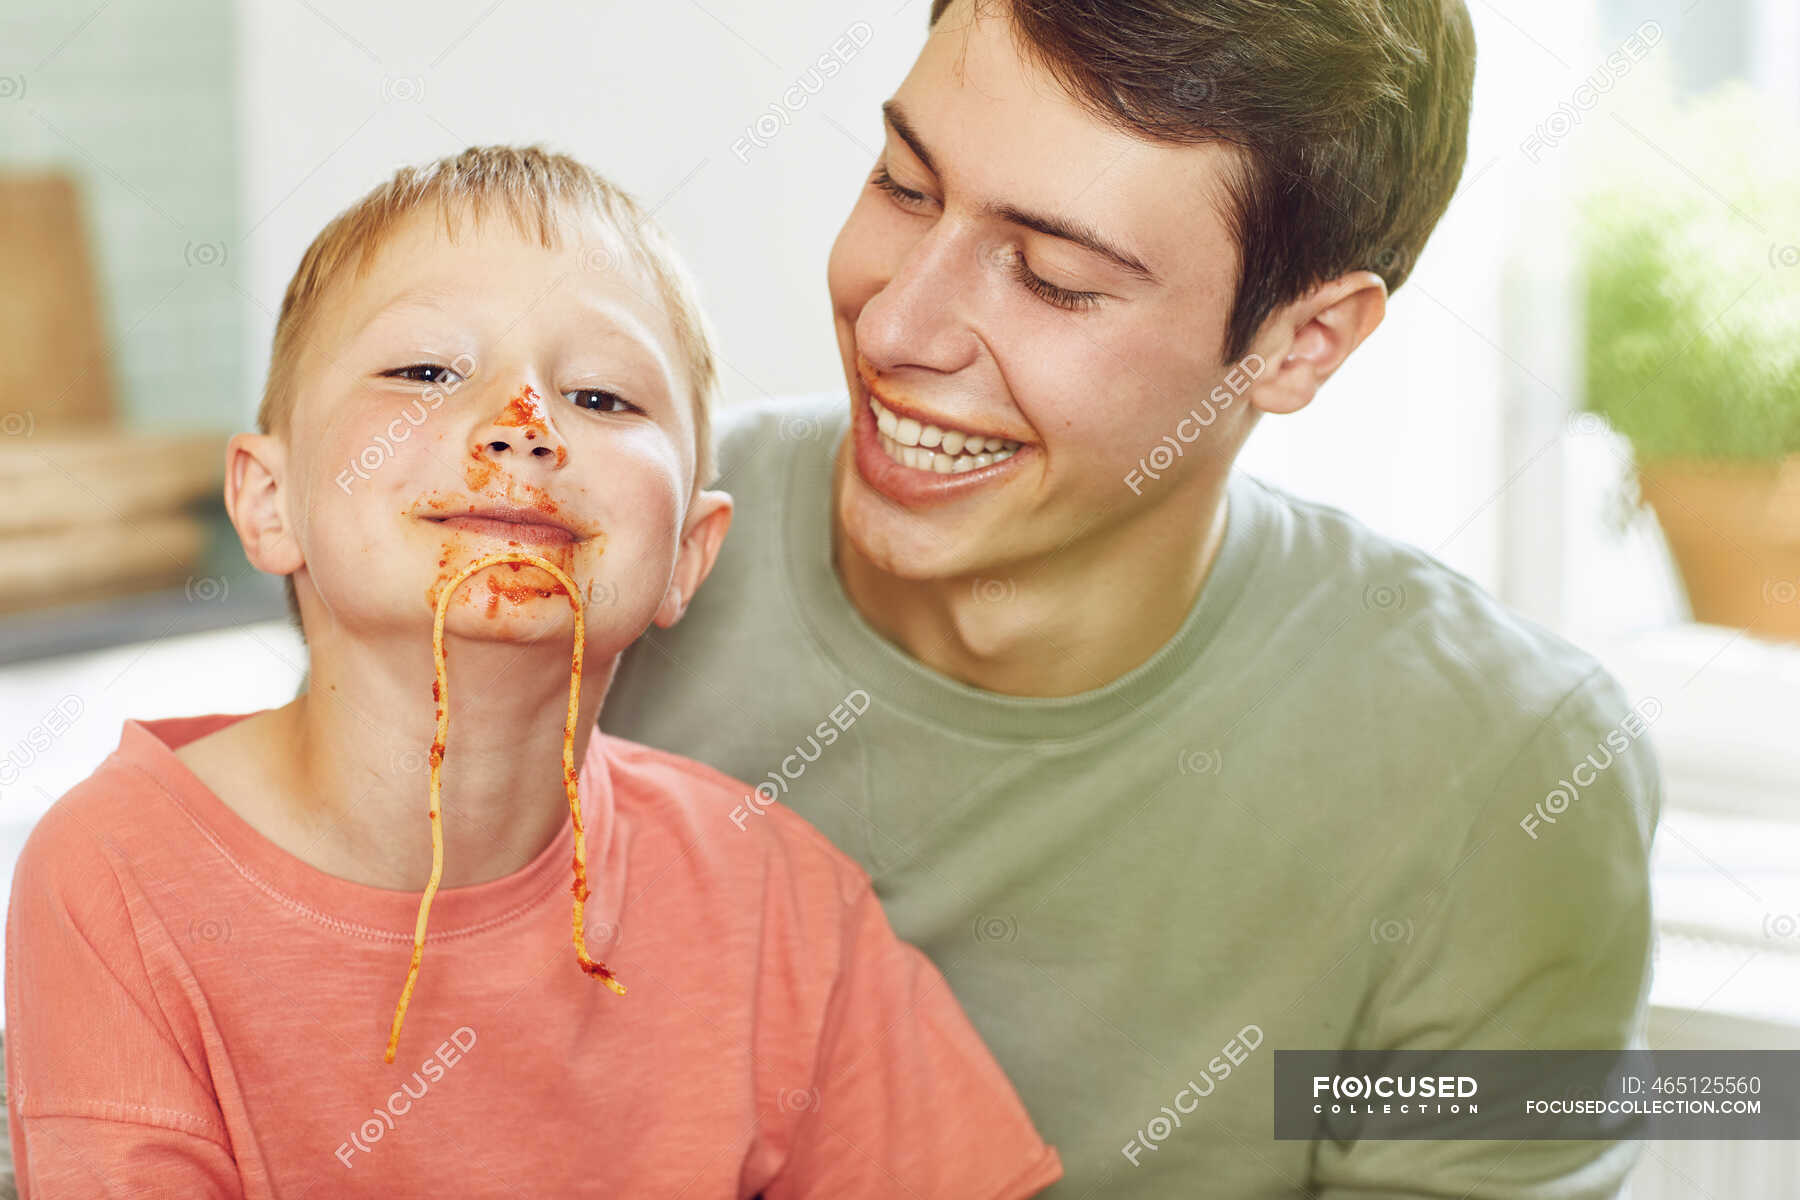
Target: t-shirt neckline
x=382 y=913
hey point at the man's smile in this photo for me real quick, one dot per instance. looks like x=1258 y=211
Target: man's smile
x=915 y=456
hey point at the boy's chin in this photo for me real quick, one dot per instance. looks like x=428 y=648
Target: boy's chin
x=497 y=589
x=483 y=616
x=520 y=617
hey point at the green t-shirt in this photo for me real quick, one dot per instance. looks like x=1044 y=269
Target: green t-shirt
x=1305 y=823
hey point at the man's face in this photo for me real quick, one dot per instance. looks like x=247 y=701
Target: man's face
x=485 y=395
x=1017 y=270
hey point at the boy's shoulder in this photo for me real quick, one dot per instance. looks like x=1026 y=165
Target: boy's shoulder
x=127 y=816
x=73 y=855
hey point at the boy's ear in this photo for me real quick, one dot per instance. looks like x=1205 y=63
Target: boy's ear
x=255 y=466
x=708 y=518
x=1306 y=341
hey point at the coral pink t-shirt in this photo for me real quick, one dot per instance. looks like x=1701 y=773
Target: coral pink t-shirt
x=193 y=1012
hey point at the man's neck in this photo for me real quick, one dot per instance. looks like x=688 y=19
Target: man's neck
x=1067 y=623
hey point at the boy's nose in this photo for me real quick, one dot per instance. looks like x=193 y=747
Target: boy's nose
x=522 y=431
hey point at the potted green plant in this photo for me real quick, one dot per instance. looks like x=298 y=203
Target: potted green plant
x=1690 y=239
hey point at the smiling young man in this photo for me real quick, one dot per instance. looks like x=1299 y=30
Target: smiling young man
x=1165 y=769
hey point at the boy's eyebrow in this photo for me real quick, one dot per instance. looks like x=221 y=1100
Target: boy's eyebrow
x=1050 y=225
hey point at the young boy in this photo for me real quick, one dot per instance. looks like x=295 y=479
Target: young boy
x=209 y=936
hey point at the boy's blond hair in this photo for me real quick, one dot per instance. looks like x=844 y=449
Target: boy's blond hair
x=537 y=190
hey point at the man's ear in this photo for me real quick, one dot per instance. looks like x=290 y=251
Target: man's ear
x=1309 y=339
x=255 y=466
x=708 y=519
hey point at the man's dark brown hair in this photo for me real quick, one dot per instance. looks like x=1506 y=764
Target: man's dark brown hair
x=1351 y=117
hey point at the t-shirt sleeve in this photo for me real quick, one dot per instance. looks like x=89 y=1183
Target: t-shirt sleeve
x=101 y=1099
x=906 y=1099
x=1540 y=939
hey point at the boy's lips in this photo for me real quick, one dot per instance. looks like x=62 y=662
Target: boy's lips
x=514 y=523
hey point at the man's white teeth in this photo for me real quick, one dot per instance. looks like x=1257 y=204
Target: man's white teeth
x=929 y=448
x=922 y=458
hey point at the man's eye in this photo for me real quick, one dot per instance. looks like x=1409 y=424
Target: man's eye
x=423 y=373
x=596 y=400
x=904 y=196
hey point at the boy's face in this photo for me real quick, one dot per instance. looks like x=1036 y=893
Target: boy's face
x=481 y=395
x=952 y=307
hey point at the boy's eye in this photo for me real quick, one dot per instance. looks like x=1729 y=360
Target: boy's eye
x=423 y=373
x=598 y=400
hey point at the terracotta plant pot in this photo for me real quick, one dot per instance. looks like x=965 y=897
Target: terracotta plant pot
x=1735 y=533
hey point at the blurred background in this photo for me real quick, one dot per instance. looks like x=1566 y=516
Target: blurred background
x=1587 y=398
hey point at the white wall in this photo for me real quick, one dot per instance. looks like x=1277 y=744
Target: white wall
x=1448 y=429
x=336 y=94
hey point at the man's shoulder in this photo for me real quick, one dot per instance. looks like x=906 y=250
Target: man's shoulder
x=748 y=828
x=1444 y=686
x=750 y=432
x=1410 y=614
x=1461 y=724
x=805 y=411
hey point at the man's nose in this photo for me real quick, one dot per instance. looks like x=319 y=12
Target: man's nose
x=919 y=318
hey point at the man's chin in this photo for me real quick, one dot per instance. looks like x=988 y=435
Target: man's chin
x=918 y=547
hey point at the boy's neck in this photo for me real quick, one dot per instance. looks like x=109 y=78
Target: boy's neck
x=1071 y=622
x=340 y=776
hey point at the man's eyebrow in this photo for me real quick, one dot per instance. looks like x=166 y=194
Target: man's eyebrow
x=1071 y=231
x=1051 y=226
x=896 y=119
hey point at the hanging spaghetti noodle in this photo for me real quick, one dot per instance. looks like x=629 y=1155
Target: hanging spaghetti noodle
x=442 y=691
